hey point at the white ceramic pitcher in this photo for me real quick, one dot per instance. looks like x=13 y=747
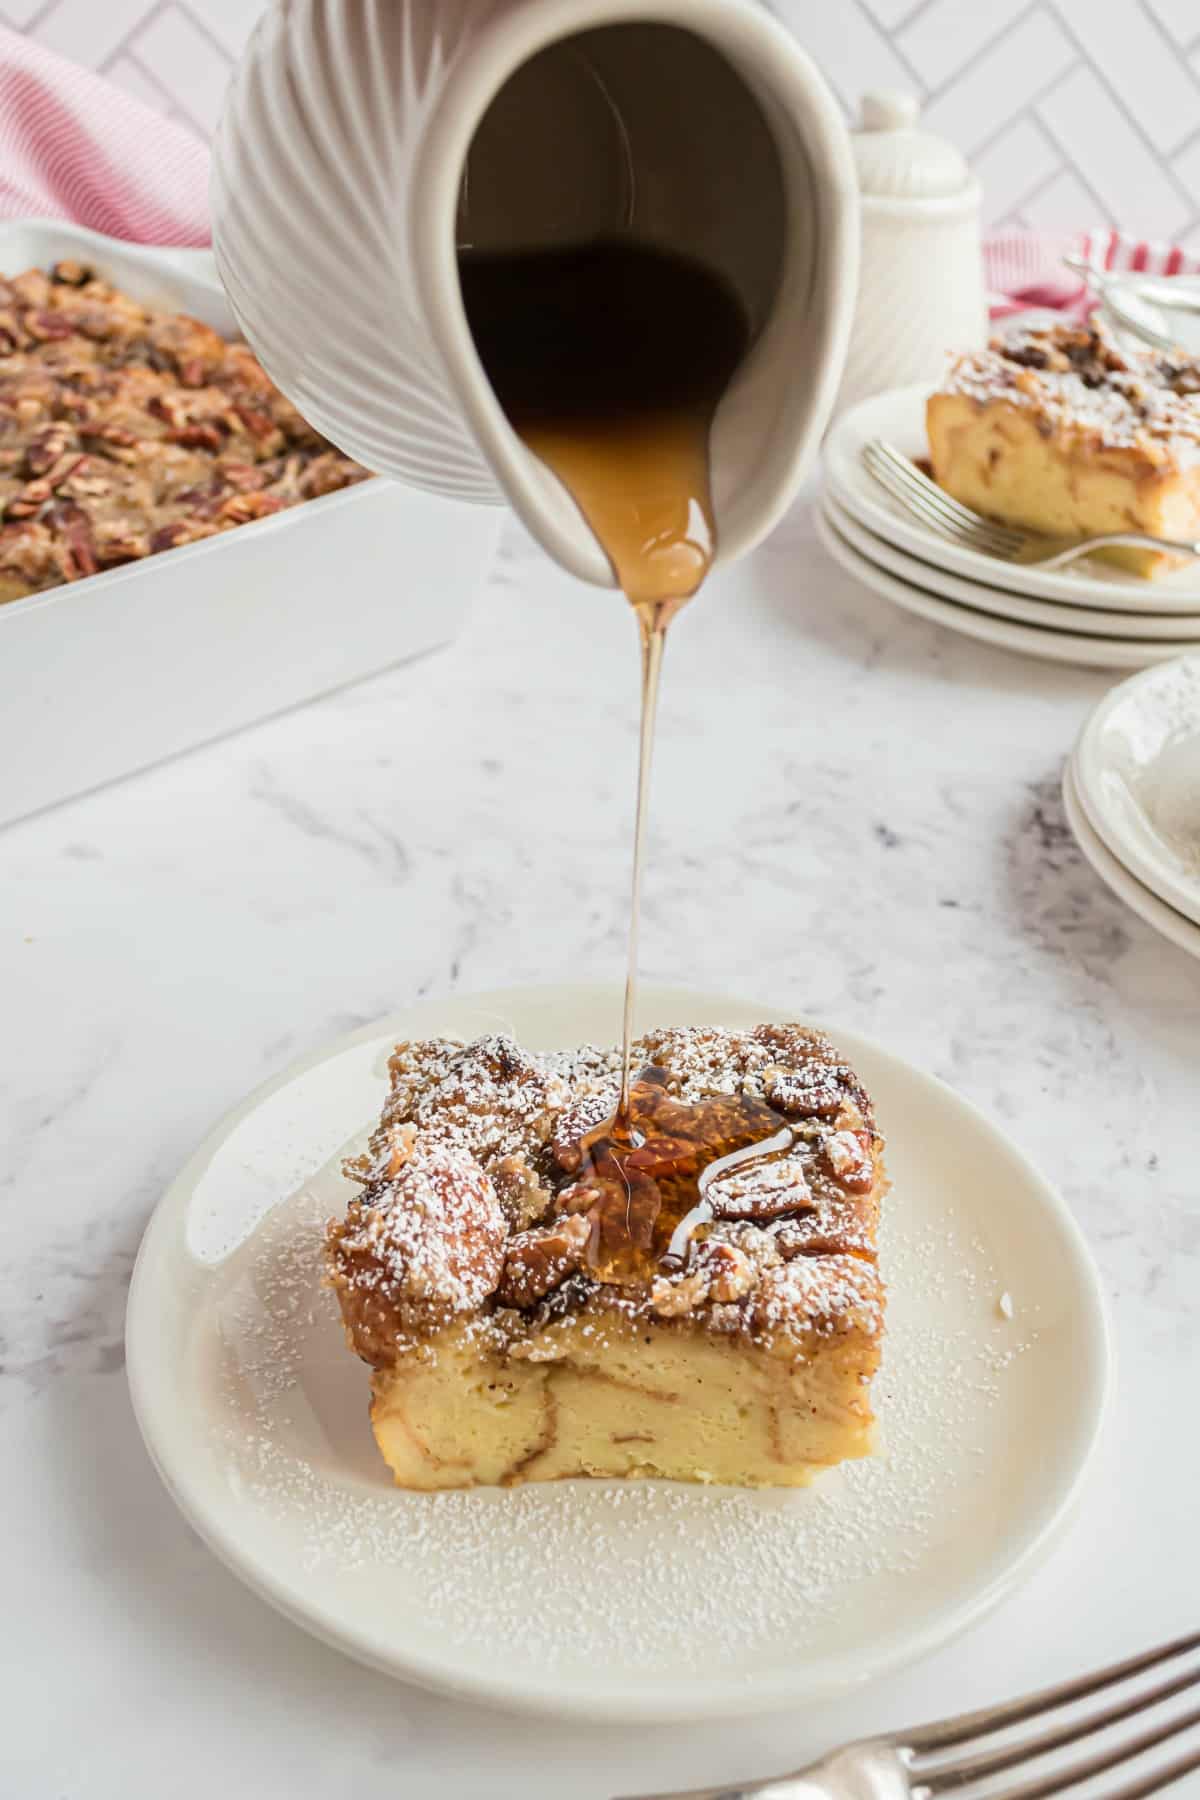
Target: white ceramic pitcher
x=366 y=141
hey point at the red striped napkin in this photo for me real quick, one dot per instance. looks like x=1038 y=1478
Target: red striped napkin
x=1025 y=268
x=74 y=146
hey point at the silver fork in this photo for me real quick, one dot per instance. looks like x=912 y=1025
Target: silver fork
x=958 y=1753
x=940 y=512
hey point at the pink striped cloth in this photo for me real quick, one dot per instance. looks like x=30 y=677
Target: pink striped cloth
x=1025 y=268
x=74 y=146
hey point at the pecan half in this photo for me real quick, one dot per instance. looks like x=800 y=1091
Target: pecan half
x=415 y=1252
x=539 y=1261
x=673 y=1299
x=73 y=463
x=804 y=1093
x=170 y=406
x=117 y=545
x=766 y=1190
x=240 y=509
x=573 y=1124
x=95 y=322
x=180 y=531
x=729 y=1270
x=32 y=497
x=48 y=326
x=46 y=448
x=195 y=437
x=75 y=528
x=850 y=1160
x=260 y=425
x=523 y=1194
x=246 y=478
x=327 y=473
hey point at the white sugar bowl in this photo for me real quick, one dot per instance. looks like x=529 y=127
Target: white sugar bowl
x=921 y=290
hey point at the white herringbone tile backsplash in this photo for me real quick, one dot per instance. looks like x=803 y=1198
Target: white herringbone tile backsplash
x=1073 y=112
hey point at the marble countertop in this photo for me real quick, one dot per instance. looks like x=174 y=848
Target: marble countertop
x=856 y=815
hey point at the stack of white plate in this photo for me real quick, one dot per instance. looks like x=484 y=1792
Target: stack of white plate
x=1087 y=613
x=1132 y=796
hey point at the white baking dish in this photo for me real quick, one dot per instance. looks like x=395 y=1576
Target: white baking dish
x=108 y=674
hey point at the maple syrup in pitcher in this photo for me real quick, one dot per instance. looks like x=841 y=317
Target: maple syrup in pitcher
x=610 y=360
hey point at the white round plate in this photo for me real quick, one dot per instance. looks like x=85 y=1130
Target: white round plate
x=1139 y=899
x=899 y=416
x=1137 y=767
x=1000 y=602
x=642 y=1600
x=1005 y=634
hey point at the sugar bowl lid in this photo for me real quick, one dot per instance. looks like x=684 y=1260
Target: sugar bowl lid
x=899 y=161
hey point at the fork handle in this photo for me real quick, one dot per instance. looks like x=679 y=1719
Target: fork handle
x=1124 y=540
x=786 y=1787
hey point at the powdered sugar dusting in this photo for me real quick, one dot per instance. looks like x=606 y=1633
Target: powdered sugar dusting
x=1079 y=382
x=503 y=1125
x=429 y=1243
x=644 y=1576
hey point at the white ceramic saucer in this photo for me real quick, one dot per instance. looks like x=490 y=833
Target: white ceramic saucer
x=899 y=416
x=1172 y=925
x=1005 y=634
x=630 y=1601
x=1002 y=603
x=1137 y=768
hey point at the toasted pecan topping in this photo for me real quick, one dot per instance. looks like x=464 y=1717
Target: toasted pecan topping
x=539 y=1261
x=523 y=1194
x=577 y=1118
x=1079 y=384
x=511 y=1124
x=848 y=1154
x=145 y=422
x=805 y=1093
x=423 y=1247
x=766 y=1190
x=729 y=1270
x=673 y=1297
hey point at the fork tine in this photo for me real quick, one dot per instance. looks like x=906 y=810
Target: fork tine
x=944 y=1734
x=916 y=491
x=936 y=517
x=974 y=1768
x=884 y=456
x=917 y=479
x=1044 y=1785
x=1142 y=1785
x=926 y=508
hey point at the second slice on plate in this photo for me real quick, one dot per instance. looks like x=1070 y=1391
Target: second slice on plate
x=1058 y=430
x=700 y=1301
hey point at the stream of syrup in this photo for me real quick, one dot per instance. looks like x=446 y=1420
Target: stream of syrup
x=610 y=361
